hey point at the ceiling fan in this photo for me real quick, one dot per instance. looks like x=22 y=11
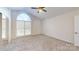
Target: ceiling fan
x=40 y=9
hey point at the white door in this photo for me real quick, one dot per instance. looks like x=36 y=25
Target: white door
x=76 y=31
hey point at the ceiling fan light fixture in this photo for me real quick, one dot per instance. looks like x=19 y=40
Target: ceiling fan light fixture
x=40 y=10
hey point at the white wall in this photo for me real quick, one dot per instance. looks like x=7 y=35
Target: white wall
x=36 y=25
x=61 y=27
x=36 y=28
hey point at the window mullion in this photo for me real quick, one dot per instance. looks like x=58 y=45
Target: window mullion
x=24 y=27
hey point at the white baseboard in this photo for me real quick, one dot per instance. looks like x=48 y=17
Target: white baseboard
x=59 y=39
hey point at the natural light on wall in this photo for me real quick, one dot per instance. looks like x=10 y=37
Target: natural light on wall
x=23 y=25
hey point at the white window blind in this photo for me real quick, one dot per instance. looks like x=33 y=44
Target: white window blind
x=23 y=28
x=27 y=27
x=23 y=23
x=20 y=28
x=3 y=28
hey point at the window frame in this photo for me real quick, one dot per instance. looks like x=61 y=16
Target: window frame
x=24 y=27
x=5 y=29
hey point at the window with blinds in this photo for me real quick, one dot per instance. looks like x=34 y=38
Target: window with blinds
x=3 y=28
x=20 y=28
x=23 y=25
x=27 y=26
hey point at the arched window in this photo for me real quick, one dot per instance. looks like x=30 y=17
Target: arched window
x=23 y=23
x=23 y=17
x=4 y=26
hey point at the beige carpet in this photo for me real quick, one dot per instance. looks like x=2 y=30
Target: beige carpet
x=38 y=43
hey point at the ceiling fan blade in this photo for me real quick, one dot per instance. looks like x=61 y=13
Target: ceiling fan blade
x=44 y=10
x=33 y=7
x=42 y=7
